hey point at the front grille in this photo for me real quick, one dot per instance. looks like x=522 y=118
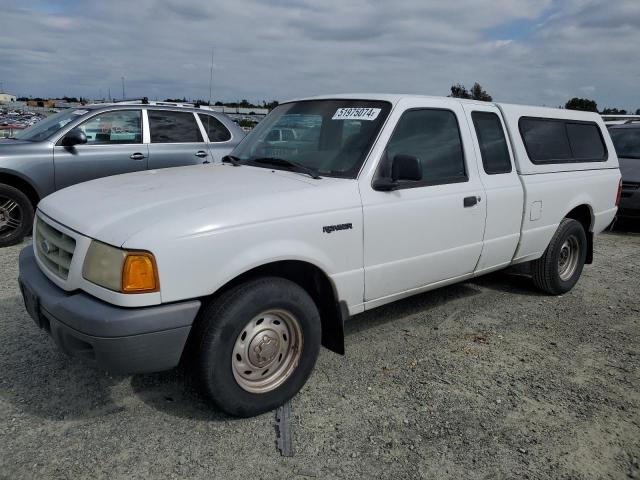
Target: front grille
x=54 y=248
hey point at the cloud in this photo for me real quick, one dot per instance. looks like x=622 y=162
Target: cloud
x=525 y=51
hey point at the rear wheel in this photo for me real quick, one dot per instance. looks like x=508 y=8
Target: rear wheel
x=560 y=267
x=256 y=345
x=16 y=215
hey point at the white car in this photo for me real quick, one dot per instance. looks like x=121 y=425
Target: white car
x=248 y=266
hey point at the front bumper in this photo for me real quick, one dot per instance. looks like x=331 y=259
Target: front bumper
x=122 y=340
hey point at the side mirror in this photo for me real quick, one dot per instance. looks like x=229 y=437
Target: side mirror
x=406 y=167
x=74 y=137
x=403 y=167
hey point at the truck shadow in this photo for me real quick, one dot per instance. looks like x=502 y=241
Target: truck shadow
x=407 y=307
x=38 y=378
x=622 y=226
x=503 y=281
x=176 y=393
x=509 y=281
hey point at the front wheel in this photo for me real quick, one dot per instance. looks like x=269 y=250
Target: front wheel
x=16 y=215
x=256 y=345
x=559 y=268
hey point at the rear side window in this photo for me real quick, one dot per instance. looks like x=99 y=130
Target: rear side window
x=493 y=144
x=216 y=131
x=434 y=137
x=550 y=140
x=585 y=141
x=173 y=127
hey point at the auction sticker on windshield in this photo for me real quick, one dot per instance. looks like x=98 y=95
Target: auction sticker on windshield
x=356 y=113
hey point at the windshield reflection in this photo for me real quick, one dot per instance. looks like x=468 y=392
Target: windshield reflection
x=331 y=137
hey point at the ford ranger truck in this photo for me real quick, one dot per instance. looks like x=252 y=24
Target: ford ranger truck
x=247 y=267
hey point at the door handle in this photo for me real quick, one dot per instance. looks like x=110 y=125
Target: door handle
x=470 y=201
x=137 y=156
x=201 y=153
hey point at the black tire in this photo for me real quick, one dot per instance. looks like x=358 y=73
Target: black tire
x=16 y=215
x=221 y=325
x=547 y=271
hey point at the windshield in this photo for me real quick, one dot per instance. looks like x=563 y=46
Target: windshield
x=49 y=126
x=626 y=141
x=330 y=137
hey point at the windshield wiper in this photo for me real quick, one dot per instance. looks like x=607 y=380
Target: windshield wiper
x=235 y=161
x=294 y=166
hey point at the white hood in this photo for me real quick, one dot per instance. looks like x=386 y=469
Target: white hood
x=113 y=209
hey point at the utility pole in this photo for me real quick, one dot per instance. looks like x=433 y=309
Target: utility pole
x=210 y=80
x=123 y=97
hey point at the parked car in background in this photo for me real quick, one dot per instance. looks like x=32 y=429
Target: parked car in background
x=381 y=197
x=611 y=119
x=282 y=135
x=626 y=138
x=100 y=140
x=8 y=130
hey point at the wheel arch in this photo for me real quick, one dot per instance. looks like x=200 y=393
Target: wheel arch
x=316 y=283
x=18 y=181
x=583 y=214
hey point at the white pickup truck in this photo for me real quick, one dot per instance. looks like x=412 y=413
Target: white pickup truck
x=248 y=266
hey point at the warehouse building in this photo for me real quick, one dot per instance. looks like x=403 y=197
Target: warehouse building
x=7 y=98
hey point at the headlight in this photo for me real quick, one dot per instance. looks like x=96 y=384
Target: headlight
x=120 y=270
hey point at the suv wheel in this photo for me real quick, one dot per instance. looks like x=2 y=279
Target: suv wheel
x=16 y=215
x=256 y=345
x=559 y=268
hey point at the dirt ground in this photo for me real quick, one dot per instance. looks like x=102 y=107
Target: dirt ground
x=485 y=379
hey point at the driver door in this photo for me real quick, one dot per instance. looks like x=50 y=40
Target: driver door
x=424 y=232
x=114 y=146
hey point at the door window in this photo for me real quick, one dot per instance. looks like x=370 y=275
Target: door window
x=493 y=144
x=216 y=131
x=173 y=127
x=433 y=136
x=118 y=127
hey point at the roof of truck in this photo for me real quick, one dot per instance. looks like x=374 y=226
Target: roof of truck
x=396 y=97
x=384 y=97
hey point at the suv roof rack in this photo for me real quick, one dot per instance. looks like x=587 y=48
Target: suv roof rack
x=146 y=101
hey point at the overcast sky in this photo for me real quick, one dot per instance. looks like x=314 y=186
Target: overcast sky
x=526 y=51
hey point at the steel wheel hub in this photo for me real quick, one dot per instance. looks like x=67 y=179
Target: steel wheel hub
x=263 y=348
x=568 y=258
x=267 y=351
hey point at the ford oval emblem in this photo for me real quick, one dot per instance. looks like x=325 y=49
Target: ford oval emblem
x=46 y=246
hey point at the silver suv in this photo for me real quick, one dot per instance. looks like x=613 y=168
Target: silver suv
x=99 y=140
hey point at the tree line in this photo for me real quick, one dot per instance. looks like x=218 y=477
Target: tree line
x=476 y=92
x=458 y=90
x=241 y=104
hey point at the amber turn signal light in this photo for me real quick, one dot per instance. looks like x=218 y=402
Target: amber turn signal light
x=139 y=273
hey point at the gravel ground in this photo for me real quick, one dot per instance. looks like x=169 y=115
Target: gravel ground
x=485 y=379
